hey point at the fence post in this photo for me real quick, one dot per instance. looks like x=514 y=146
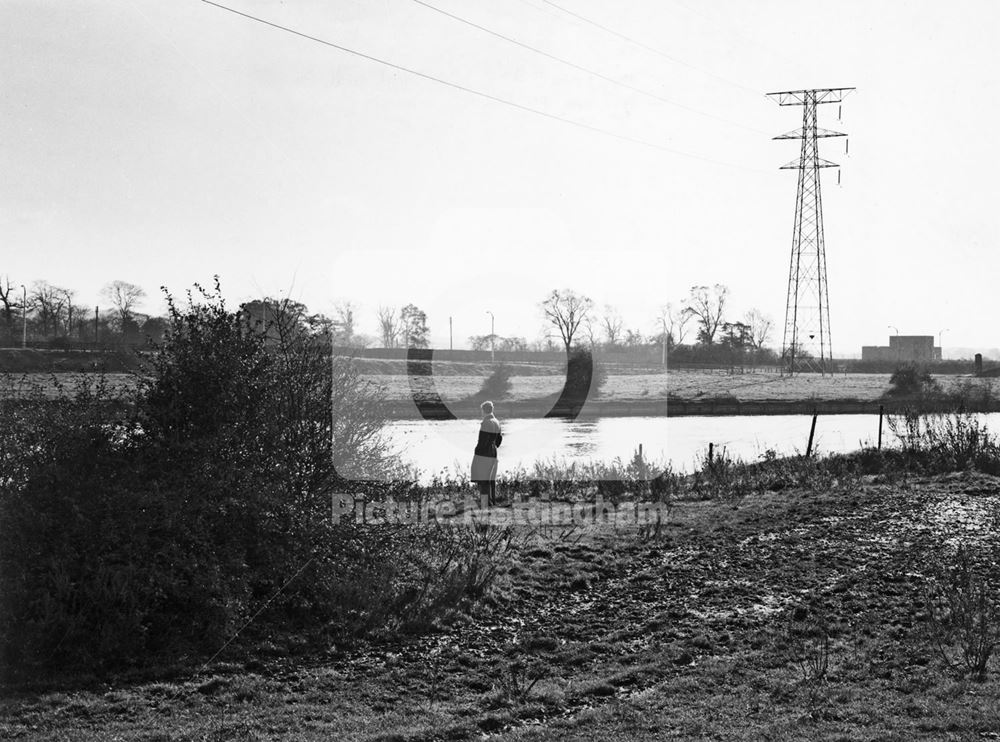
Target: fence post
x=812 y=432
x=710 y=446
x=881 y=409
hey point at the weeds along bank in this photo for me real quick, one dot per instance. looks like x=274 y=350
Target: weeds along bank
x=153 y=530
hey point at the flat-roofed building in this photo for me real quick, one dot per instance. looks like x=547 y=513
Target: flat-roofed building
x=903 y=348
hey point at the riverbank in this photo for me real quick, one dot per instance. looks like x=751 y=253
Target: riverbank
x=608 y=404
x=454 y=388
x=786 y=614
x=593 y=410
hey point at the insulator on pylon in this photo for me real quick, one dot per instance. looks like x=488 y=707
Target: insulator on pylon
x=838 y=112
x=847 y=146
x=838 y=176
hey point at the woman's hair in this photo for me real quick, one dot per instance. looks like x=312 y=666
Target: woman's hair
x=487 y=408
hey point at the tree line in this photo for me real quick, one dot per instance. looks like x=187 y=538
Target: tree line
x=45 y=312
x=698 y=328
x=701 y=316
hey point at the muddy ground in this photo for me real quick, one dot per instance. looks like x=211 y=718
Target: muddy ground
x=711 y=629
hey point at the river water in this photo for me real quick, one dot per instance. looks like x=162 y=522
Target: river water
x=446 y=447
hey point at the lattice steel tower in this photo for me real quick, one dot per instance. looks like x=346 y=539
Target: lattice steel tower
x=806 y=342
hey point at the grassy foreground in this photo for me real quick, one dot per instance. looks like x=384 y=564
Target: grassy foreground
x=784 y=615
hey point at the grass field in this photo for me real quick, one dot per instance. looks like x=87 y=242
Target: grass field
x=456 y=381
x=710 y=630
x=686 y=385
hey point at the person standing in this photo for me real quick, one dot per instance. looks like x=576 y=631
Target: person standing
x=484 y=460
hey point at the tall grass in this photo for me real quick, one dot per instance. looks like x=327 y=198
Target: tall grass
x=937 y=442
x=963 y=605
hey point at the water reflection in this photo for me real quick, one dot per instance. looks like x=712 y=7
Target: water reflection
x=446 y=446
x=581 y=438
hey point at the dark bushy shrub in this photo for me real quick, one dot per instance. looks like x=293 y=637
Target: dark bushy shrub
x=142 y=529
x=912 y=381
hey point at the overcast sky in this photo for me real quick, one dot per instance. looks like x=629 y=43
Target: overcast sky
x=164 y=142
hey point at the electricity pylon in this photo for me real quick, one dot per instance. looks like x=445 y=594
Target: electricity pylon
x=806 y=343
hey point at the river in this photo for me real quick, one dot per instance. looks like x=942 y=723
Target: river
x=446 y=447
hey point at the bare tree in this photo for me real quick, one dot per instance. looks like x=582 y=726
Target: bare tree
x=8 y=303
x=633 y=339
x=125 y=297
x=708 y=306
x=612 y=324
x=68 y=295
x=512 y=343
x=589 y=331
x=760 y=326
x=343 y=323
x=674 y=322
x=389 y=325
x=566 y=311
x=480 y=342
x=49 y=304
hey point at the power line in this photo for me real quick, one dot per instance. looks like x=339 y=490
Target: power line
x=647 y=47
x=586 y=70
x=472 y=91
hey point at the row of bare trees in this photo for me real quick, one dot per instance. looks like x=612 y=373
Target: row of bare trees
x=44 y=311
x=574 y=318
x=406 y=327
x=706 y=307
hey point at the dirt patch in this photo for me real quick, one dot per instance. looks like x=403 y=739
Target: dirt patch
x=606 y=635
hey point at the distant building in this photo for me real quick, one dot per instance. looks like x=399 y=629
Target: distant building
x=903 y=349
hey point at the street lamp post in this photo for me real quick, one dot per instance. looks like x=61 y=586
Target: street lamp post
x=493 y=337
x=24 y=316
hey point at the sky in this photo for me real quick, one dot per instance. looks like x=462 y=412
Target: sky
x=164 y=143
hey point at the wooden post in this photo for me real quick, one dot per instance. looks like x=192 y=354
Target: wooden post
x=812 y=432
x=881 y=409
x=642 y=465
x=710 y=446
